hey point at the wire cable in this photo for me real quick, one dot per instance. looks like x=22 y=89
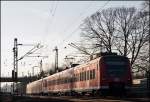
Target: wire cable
x=80 y=25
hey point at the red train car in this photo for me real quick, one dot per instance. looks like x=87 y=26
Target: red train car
x=106 y=73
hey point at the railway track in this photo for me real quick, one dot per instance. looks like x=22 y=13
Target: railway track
x=87 y=99
x=9 y=98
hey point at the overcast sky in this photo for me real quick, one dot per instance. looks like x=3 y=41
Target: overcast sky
x=51 y=23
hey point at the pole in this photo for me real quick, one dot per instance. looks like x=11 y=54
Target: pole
x=40 y=66
x=33 y=71
x=56 y=59
x=15 y=50
x=0 y=74
x=148 y=72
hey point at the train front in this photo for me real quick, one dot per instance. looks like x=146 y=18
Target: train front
x=115 y=72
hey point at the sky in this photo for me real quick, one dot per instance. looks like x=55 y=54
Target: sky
x=50 y=23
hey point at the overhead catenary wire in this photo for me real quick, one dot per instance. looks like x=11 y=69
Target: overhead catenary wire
x=53 y=9
x=77 y=18
x=80 y=25
x=52 y=15
x=74 y=20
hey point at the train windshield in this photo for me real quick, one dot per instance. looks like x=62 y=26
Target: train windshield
x=116 y=66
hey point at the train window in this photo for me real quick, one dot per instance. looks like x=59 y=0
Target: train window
x=85 y=75
x=88 y=74
x=57 y=81
x=65 y=80
x=74 y=78
x=91 y=74
x=77 y=77
x=62 y=80
x=48 y=82
x=52 y=82
x=80 y=77
x=45 y=83
x=68 y=80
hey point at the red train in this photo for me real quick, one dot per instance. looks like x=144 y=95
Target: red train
x=105 y=73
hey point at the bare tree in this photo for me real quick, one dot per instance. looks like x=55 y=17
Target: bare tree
x=100 y=28
x=133 y=31
x=124 y=26
x=124 y=29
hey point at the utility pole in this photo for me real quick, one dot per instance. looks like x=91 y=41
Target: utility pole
x=41 y=70
x=56 y=59
x=32 y=71
x=148 y=72
x=15 y=70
